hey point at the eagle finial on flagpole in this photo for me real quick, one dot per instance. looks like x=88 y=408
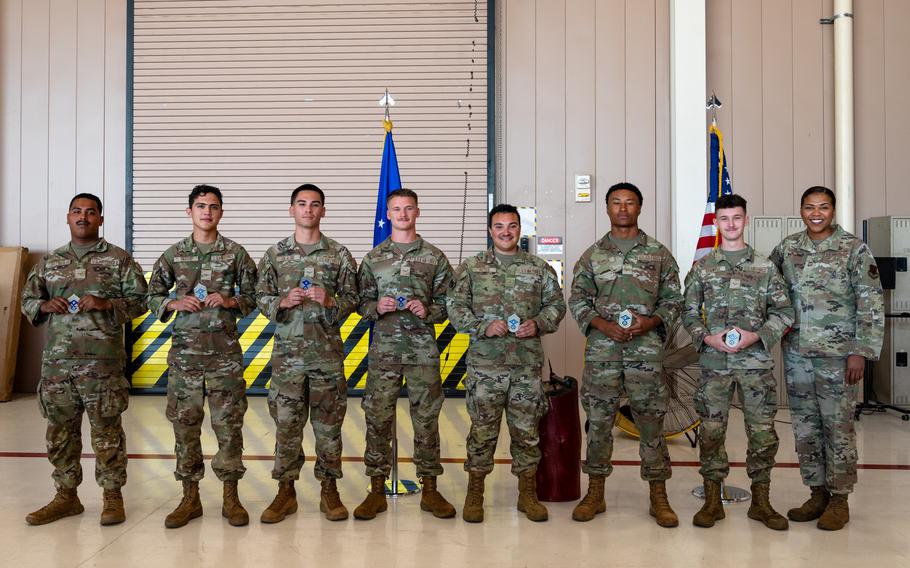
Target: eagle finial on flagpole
x=712 y=104
x=387 y=101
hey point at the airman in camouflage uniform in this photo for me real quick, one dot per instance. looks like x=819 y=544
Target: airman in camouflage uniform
x=837 y=295
x=307 y=287
x=625 y=271
x=84 y=291
x=205 y=358
x=737 y=291
x=403 y=282
x=505 y=359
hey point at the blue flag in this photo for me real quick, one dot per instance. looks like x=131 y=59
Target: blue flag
x=389 y=181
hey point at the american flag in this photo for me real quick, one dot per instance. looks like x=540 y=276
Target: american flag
x=718 y=184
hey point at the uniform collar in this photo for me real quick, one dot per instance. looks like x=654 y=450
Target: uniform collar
x=718 y=256
x=189 y=245
x=290 y=244
x=520 y=256
x=608 y=244
x=388 y=246
x=66 y=250
x=831 y=243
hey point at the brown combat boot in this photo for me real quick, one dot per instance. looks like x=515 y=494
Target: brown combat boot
x=112 y=512
x=813 y=508
x=836 y=515
x=231 y=508
x=713 y=509
x=527 y=497
x=432 y=500
x=593 y=502
x=190 y=506
x=330 y=502
x=64 y=504
x=284 y=503
x=761 y=509
x=660 y=506
x=375 y=500
x=473 y=501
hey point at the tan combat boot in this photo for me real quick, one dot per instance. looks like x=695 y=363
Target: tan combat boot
x=813 y=508
x=836 y=515
x=473 y=501
x=660 y=506
x=432 y=500
x=713 y=509
x=527 y=497
x=761 y=509
x=375 y=500
x=64 y=504
x=112 y=512
x=593 y=502
x=284 y=503
x=190 y=506
x=330 y=502
x=231 y=508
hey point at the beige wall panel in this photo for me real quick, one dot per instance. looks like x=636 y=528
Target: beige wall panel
x=746 y=111
x=610 y=111
x=114 y=116
x=828 y=103
x=662 y=201
x=11 y=125
x=718 y=25
x=551 y=111
x=897 y=127
x=580 y=152
x=808 y=90
x=62 y=109
x=869 y=96
x=777 y=101
x=640 y=103
x=90 y=92
x=521 y=103
x=34 y=140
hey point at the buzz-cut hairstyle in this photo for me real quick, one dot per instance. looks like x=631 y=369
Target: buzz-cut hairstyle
x=401 y=192
x=499 y=210
x=818 y=189
x=308 y=187
x=203 y=189
x=731 y=201
x=91 y=196
x=628 y=187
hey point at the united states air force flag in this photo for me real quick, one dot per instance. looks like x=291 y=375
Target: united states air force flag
x=718 y=184
x=389 y=181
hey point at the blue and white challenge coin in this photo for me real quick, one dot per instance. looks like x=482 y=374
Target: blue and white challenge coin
x=200 y=292
x=732 y=337
x=305 y=283
x=514 y=323
x=625 y=319
x=401 y=302
x=72 y=304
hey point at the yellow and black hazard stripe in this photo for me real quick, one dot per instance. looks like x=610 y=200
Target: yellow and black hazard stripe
x=150 y=341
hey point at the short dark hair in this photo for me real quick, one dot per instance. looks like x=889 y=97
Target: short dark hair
x=203 y=189
x=91 y=196
x=308 y=187
x=628 y=187
x=818 y=189
x=401 y=192
x=500 y=209
x=731 y=201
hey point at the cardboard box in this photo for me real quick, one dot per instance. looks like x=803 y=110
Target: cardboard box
x=12 y=278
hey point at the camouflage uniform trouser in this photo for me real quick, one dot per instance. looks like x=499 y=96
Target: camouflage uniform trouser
x=821 y=408
x=519 y=391
x=67 y=388
x=294 y=393
x=602 y=386
x=221 y=380
x=758 y=390
x=378 y=403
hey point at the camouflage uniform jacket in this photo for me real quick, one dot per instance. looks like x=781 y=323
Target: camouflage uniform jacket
x=226 y=266
x=605 y=282
x=105 y=271
x=309 y=333
x=836 y=294
x=484 y=291
x=422 y=273
x=750 y=295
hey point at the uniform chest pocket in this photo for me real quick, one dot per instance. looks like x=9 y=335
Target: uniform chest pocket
x=223 y=276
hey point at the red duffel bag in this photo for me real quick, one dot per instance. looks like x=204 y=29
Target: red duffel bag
x=559 y=471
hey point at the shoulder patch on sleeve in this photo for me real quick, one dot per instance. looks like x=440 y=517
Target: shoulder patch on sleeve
x=873 y=270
